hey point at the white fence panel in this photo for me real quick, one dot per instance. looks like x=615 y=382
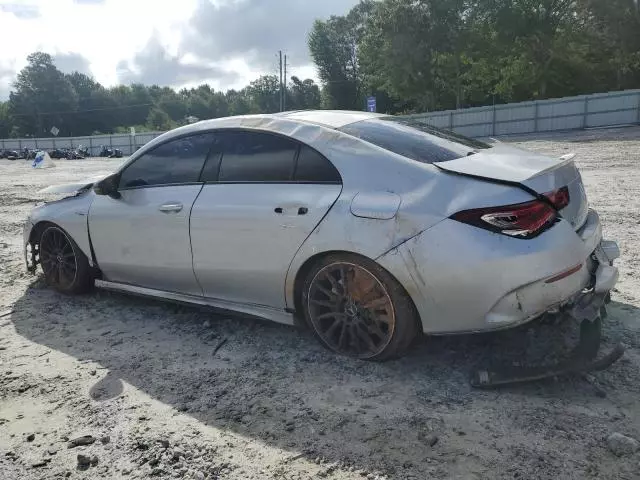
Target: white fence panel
x=569 y=113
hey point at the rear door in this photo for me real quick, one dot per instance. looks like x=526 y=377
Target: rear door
x=142 y=238
x=263 y=195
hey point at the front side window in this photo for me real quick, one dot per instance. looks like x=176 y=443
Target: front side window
x=256 y=157
x=175 y=162
x=414 y=140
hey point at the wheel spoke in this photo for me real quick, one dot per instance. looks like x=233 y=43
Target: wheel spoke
x=336 y=315
x=375 y=303
x=332 y=329
x=332 y=280
x=343 y=335
x=345 y=280
x=364 y=335
x=322 y=303
x=374 y=328
x=355 y=338
x=328 y=293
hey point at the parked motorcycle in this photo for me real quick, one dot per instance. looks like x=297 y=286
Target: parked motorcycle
x=110 y=152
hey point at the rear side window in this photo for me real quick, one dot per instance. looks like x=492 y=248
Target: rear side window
x=314 y=168
x=413 y=140
x=256 y=157
x=177 y=161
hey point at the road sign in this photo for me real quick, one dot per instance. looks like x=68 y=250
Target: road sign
x=132 y=131
x=55 y=131
x=371 y=104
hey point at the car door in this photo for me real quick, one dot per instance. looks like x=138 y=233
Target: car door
x=263 y=195
x=142 y=238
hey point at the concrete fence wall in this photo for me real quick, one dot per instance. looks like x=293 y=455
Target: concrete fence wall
x=125 y=142
x=584 y=111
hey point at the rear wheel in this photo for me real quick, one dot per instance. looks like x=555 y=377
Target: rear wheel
x=356 y=308
x=66 y=268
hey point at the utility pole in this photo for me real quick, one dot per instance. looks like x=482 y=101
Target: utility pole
x=284 y=95
x=281 y=96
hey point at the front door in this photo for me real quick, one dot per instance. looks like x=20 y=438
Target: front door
x=142 y=238
x=261 y=201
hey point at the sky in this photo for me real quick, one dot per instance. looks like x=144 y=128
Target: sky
x=177 y=43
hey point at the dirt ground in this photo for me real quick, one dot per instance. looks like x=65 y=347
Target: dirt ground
x=145 y=380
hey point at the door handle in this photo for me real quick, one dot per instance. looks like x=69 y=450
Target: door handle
x=170 y=207
x=301 y=210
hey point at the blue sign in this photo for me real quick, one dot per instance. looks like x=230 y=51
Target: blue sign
x=371 y=104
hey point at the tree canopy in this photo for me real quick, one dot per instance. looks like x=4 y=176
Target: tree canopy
x=43 y=97
x=418 y=55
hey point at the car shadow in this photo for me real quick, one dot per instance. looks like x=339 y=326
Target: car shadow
x=277 y=384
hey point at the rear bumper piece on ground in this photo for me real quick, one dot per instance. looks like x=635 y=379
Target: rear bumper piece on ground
x=478 y=281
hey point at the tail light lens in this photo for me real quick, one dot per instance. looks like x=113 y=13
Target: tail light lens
x=522 y=220
x=559 y=198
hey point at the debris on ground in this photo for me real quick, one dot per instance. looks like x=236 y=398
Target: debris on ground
x=622 y=445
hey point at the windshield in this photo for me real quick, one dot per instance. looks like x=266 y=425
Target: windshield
x=414 y=140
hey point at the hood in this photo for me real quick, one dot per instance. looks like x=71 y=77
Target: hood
x=75 y=186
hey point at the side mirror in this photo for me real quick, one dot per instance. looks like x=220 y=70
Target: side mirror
x=108 y=186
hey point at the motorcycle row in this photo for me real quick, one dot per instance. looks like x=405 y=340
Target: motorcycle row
x=68 y=153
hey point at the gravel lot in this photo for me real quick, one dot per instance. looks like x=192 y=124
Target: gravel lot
x=141 y=377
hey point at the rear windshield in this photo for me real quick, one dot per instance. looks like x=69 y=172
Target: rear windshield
x=414 y=140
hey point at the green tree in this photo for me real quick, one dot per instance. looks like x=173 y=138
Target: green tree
x=5 y=120
x=264 y=93
x=333 y=46
x=159 y=120
x=42 y=98
x=303 y=94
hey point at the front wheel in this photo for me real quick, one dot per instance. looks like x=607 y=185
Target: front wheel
x=66 y=268
x=356 y=308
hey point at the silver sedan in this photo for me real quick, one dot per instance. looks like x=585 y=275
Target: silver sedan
x=370 y=229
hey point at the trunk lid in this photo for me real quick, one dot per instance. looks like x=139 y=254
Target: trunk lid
x=543 y=174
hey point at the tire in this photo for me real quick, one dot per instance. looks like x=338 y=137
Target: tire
x=65 y=267
x=369 y=316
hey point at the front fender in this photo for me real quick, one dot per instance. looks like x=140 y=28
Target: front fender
x=71 y=214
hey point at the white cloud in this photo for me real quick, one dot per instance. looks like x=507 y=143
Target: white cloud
x=105 y=36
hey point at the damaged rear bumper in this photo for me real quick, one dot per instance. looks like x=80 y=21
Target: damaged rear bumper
x=478 y=281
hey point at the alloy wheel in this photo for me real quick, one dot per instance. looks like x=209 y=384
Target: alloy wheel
x=58 y=258
x=351 y=310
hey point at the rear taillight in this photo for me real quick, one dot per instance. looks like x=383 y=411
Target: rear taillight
x=559 y=198
x=522 y=220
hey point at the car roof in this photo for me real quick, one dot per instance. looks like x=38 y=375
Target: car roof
x=326 y=118
x=329 y=118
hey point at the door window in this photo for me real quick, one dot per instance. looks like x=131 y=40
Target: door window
x=314 y=168
x=256 y=157
x=175 y=162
